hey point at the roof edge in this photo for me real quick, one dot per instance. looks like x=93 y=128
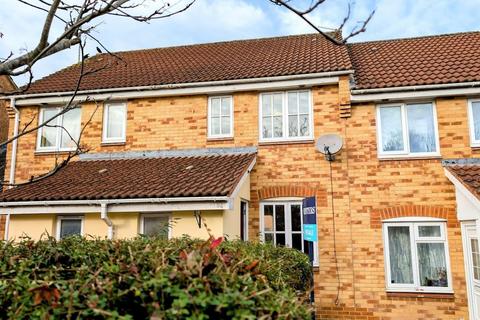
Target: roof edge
x=167 y=153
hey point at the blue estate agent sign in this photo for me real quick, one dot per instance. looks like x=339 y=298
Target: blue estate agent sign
x=310 y=219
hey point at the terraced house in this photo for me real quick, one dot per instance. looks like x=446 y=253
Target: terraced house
x=220 y=138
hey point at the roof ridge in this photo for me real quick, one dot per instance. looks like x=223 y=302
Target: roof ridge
x=416 y=37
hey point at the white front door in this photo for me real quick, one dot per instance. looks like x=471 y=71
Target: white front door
x=472 y=266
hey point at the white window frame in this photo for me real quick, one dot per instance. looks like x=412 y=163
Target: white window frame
x=57 y=120
x=413 y=224
x=154 y=215
x=471 y=122
x=288 y=223
x=59 y=224
x=405 y=153
x=245 y=219
x=285 y=136
x=210 y=135
x=123 y=137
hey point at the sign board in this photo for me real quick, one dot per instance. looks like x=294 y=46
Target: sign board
x=310 y=219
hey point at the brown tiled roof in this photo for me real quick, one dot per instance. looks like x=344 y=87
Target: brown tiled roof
x=242 y=59
x=200 y=176
x=468 y=175
x=441 y=59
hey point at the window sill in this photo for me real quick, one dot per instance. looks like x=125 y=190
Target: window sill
x=272 y=143
x=425 y=295
x=409 y=157
x=117 y=143
x=52 y=152
x=213 y=139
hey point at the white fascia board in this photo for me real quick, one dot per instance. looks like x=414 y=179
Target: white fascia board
x=116 y=208
x=212 y=87
x=412 y=94
x=242 y=179
x=460 y=188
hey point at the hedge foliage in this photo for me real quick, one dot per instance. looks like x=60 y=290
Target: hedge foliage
x=148 y=278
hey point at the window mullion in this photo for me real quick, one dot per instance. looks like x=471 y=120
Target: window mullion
x=59 y=124
x=284 y=115
x=415 y=267
x=406 y=137
x=288 y=225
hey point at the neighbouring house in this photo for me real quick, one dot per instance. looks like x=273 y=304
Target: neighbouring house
x=219 y=139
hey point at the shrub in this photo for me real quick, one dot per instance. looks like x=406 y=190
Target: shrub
x=152 y=278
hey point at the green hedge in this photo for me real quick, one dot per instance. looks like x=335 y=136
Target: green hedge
x=152 y=278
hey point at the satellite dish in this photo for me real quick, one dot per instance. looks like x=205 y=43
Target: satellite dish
x=329 y=145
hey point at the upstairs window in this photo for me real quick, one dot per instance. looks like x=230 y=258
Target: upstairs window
x=416 y=257
x=61 y=133
x=407 y=130
x=286 y=116
x=220 y=117
x=114 y=122
x=474 y=115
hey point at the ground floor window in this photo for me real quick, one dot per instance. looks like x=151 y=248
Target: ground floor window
x=282 y=225
x=69 y=226
x=416 y=256
x=243 y=220
x=157 y=225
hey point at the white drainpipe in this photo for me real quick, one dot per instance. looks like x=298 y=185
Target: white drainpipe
x=13 y=162
x=104 y=217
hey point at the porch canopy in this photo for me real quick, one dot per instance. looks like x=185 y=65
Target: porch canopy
x=202 y=179
x=465 y=176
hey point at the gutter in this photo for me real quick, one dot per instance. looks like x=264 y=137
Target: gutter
x=187 y=85
x=104 y=216
x=113 y=201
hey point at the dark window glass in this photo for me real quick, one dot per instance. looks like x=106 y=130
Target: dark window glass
x=279 y=218
x=70 y=227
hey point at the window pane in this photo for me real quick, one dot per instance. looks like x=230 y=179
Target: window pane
x=280 y=239
x=266 y=105
x=267 y=127
x=392 y=131
x=304 y=125
x=279 y=218
x=297 y=241
x=116 y=121
x=292 y=126
x=71 y=122
x=421 y=130
x=156 y=226
x=70 y=227
x=400 y=254
x=225 y=125
x=475 y=258
x=48 y=136
x=429 y=231
x=277 y=127
x=215 y=123
x=277 y=104
x=215 y=106
x=307 y=245
x=268 y=218
x=226 y=106
x=476 y=119
x=269 y=237
x=292 y=103
x=304 y=106
x=296 y=217
x=432 y=264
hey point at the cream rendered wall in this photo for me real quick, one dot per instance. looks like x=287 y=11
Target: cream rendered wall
x=34 y=226
x=231 y=218
x=126 y=225
x=184 y=223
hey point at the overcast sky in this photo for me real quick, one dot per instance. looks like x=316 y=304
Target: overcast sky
x=219 y=20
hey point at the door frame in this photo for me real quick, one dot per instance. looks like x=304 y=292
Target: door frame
x=467 y=257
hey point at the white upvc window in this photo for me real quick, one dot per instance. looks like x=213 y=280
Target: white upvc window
x=220 y=117
x=69 y=226
x=61 y=133
x=155 y=225
x=286 y=116
x=474 y=120
x=416 y=256
x=281 y=223
x=114 y=122
x=407 y=130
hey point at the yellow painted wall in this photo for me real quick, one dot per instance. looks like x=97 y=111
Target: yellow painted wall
x=231 y=218
x=184 y=223
x=125 y=225
x=33 y=226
